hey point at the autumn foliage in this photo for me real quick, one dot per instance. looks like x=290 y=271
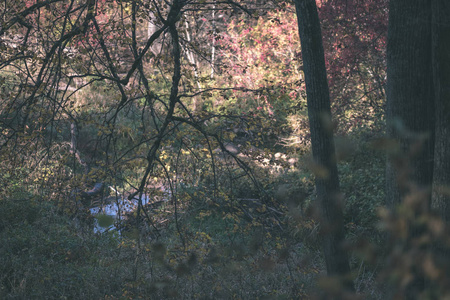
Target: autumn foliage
x=199 y=106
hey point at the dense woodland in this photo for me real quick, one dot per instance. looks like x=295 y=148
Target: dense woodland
x=238 y=149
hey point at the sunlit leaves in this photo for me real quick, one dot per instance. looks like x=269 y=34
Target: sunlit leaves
x=263 y=56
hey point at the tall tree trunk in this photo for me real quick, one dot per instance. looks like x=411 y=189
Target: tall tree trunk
x=410 y=100
x=196 y=106
x=213 y=43
x=152 y=27
x=441 y=75
x=410 y=114
x=74 y=148
x=319 y=113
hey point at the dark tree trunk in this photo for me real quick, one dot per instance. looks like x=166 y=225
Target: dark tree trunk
x=319 y=113
x=410 y=99
x=410 y=110
x=441 y=75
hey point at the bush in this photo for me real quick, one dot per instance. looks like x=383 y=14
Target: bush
x=44 y=256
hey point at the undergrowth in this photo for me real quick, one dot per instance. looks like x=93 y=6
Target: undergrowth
x=232 y=247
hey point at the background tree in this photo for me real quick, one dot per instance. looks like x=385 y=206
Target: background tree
x=319 y=113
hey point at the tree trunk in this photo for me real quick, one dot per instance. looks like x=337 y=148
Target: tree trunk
x=441 y=75
x=152 y=27
x=74 y=148
x=213 y=43
x=196 y=106
x=410 y=115
x=319 y=113
x=410 y=100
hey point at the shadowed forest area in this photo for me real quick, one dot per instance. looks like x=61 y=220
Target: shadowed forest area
x=245 y=149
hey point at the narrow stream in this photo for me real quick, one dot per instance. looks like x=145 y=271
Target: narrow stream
x=115 y=211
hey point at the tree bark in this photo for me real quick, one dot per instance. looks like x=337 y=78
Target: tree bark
x=152 y=27
x=319 y=113
x=410 y=114
x=410 y=99
x=441 y=75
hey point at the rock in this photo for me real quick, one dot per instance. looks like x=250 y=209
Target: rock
x=232 y=148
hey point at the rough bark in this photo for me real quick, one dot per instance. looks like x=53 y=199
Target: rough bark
x=441 y=75
x=410 y=100
x=319 y=113
x=410 y=110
